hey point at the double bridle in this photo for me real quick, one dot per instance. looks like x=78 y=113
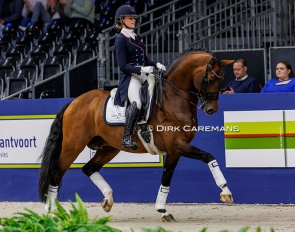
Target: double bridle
x=202 y=95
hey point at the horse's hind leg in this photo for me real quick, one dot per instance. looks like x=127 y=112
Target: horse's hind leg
x=58 y=155
x=91 y=169
x=67 y=157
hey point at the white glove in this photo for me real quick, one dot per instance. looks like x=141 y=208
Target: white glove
x=161 y=67
x=147 y=69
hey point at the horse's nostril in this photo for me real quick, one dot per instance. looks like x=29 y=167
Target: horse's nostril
x=210 y=111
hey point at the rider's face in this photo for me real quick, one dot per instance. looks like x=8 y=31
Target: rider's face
x=130 y=21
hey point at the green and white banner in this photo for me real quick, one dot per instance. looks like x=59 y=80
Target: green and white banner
x=22 y=139
x=263 y=139
x=289 y=116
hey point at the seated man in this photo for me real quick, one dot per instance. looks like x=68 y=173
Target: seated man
x=243 y=83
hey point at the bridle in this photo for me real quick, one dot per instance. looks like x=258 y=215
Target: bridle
x=210 y=96
x=202 y=95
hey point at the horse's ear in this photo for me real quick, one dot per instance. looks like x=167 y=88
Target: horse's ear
x=226 y=62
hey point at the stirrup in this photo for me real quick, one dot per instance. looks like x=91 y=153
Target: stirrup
x=133 y=145
x=128 y=143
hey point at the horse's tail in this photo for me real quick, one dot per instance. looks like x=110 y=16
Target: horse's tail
x=50 y=155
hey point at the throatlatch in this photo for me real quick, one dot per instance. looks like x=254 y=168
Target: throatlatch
x=132 y=114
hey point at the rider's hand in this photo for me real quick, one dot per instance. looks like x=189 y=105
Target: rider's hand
x=147 y=69
x=161 y=67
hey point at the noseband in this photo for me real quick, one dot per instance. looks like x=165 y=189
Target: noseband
x=202 y=95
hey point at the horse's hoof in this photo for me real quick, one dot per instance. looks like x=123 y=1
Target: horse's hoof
x=226 y=198
x=52 y=213
x=107 y=203
x=50 y=209
x=106 y=206
x=168 y=218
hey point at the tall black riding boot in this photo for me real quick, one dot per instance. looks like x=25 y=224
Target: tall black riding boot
x=132 y=114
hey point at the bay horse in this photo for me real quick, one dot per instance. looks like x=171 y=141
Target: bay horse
x=192 y=78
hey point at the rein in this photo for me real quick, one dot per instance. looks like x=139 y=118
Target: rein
x=199 y=94
x=170 y=84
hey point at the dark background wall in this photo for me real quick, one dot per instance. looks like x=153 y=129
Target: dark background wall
x=255 y=60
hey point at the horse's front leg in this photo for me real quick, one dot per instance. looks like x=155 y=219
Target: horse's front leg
x=194 y=153
x=169 y=167
x=225 y=195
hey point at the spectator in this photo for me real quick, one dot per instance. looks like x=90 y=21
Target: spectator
x=84 y=10
x=10 y=12
x=284 y=81
x=243 y=83
x=44 y=13
x=28 y=10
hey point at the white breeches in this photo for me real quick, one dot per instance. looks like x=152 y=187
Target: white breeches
x=134 y=87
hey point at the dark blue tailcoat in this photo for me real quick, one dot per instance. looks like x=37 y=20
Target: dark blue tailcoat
x=130 y=53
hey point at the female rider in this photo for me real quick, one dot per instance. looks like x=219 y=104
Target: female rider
x=134 y=65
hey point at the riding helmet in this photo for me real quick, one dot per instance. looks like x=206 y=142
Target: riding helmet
x=125 y=10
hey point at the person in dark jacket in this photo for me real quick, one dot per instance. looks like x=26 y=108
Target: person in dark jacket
x=134 y=65
x=11 y=12
x=243 y=83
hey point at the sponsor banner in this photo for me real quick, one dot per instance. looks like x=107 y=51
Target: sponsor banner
x=254 y=158
x=289 y=116
x=22 y=139
x=260 y=141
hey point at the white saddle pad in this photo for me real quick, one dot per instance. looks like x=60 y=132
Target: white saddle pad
x=116 y=115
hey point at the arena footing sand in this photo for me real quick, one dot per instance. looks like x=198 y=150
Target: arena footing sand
x=190 y=217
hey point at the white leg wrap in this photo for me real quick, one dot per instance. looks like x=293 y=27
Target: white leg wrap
x=225 y=190
x=52 y=195
x=217 y=174
x=100 y=183
x=162 y=197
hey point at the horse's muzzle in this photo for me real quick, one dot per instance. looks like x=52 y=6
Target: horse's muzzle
x=209 y=107
x=210 y=104
x=210 y=111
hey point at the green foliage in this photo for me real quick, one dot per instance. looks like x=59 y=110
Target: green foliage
x=76 y=220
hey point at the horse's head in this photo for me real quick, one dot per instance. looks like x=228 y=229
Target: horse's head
x=207 y=82
x=197 y=75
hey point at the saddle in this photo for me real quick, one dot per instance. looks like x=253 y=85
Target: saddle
x=115 y=115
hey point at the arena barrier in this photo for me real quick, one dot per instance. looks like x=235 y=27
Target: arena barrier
x=251 y=137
